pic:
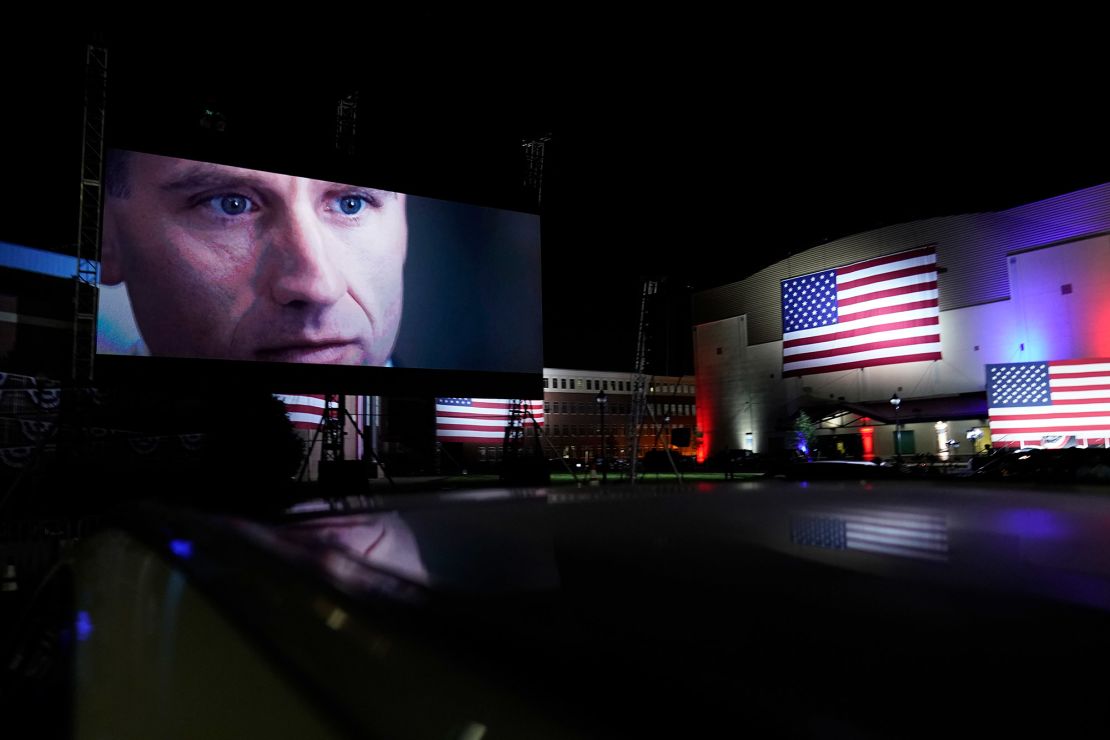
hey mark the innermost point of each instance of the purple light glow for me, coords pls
(84, 626)
(1033, 523)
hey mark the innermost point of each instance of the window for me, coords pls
(547, 407)
(545, 382)
(589, 385)
(605, 385)
(564, 381)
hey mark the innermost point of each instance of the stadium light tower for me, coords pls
(602, 399)
(896, 402)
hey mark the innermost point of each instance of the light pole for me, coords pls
(601, 401)
(895, 401)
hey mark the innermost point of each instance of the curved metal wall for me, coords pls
(971, 256)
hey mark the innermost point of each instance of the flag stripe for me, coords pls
(1070, 408)
(470, 436)
(860, 339)
(1061, 380)
(875, 283)
(1085, 365)
(873, 323)
(836, 350)
(442, 411)
(1051, 427)
(864, 331)
(923, 299)
(890, 259)
(1054, 411)
(475, 428)
(918, 286)
(853, 364)
(479, 423)
(1079, 395)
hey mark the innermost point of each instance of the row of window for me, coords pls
(595, 384)
(584, 430)
(574, 407)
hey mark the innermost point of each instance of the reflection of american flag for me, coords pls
(878, 312)
(1043, 403)
(900, 533)
(303, 411)
(480, 420)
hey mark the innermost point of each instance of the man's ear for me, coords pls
(111, 271)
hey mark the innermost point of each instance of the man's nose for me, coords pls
(304, 268)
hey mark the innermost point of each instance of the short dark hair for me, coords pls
(117, 165)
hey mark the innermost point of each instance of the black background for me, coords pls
(694, 149)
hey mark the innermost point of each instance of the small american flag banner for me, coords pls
(479, 420)
(303, 411)
(877, 312)
(1049, 404)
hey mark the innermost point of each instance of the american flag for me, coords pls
(1043, 403)
(877, 312)
(904, 534)
(303, 411)
(479, 420)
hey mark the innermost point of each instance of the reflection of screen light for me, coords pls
(903, 534)
(182, 548)
(84, 626)
(1036, 523)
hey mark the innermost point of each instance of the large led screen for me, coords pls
(216, 262)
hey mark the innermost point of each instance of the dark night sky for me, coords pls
(697, 152)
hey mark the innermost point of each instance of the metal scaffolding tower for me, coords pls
(346, 123)
(86, 296)
(639, 378)
(512, 447)
(519, 464)
(331, 446)
(534, 151)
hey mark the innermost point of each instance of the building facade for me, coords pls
(1023, 289)
(573, 417)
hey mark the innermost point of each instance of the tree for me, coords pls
(805, 431)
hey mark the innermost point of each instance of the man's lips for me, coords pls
(336, 352)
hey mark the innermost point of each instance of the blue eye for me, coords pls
(351, 204)
(232, 205)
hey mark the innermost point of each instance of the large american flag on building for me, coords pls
(1034, 404)
(479, 420)
(880, 311)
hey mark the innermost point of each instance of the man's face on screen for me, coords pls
(229, 263)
